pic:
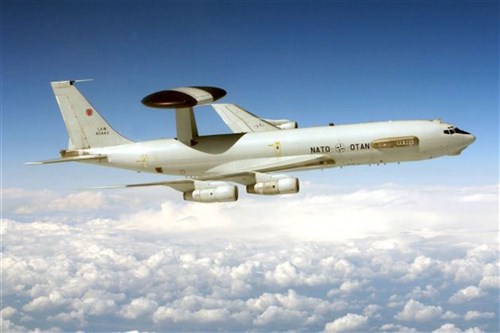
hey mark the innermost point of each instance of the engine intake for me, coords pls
(283, 124)
(287, 185)
(225, 193)
(289, 125)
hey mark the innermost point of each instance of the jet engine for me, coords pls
(283, 124)
(286, 185)
(224, 193)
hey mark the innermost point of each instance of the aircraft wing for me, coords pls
(80, 158)
(253, 170)
(243, 171)
(242, 121)
(181, 185)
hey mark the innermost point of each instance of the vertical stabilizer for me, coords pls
(86, 128)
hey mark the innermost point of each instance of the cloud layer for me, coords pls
(384, 259)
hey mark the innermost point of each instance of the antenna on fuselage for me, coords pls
(183, 100)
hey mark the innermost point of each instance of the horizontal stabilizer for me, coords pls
(82, 158)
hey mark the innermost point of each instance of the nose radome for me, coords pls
(470, 139)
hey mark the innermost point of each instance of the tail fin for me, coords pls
(86, 128)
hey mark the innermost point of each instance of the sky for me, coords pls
(410, 247)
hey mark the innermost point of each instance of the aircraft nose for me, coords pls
(469, 139)
(461, 142)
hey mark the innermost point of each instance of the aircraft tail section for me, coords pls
(86, 127)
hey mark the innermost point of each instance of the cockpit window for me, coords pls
(452, 130)
(458, 130)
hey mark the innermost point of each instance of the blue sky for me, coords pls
(410, 247)
(315, 63)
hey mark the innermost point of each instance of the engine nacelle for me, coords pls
(287, 185)
(289, 125)
(283, 124)
(225, 193)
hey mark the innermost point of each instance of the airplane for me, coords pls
(254, 155)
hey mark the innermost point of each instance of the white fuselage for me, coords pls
(343, 144)
(252, 156)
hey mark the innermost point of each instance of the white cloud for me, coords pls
(386, 209)
(211, 315)
(490, 282)
(138, 307)
(451, 315)
(7, 312)
(421, 265)
(350, 286)
(349, 323)
(97, 302)
(464, 270)
(479, 197)
(93, 271)
(397, 328)
(451, 328)
(279, 317)
(294, 263)
(54, 299)
(204, 316)
(467, 294)
(73, 202)
(416, 311)
(75, 317)
(482, 252)
(164, 313)
(372, 311)
(281, 311)
(7, 326)
(284, 274)
(428, 292)
(475, 315)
